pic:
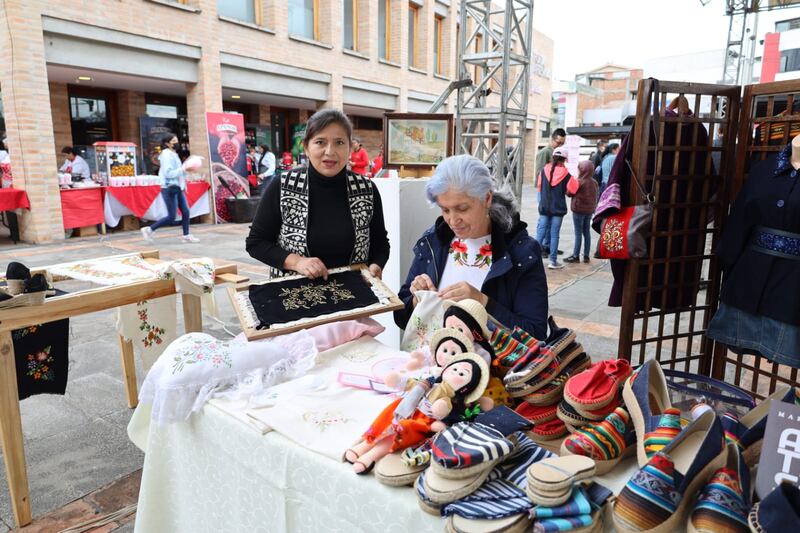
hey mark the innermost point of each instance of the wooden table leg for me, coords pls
(128, 371)
(192, 313)
(11, 433)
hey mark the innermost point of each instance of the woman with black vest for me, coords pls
(323, 216)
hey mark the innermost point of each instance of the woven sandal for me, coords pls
(598, 386)
(393, 471)
(556, 474)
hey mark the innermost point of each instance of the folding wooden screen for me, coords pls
(684, 159)
(770, 117)
(694, 167)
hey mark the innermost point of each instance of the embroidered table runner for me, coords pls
(284, 301)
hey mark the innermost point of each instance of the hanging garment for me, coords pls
(42, 358)
(759, 253)
(285, 301)
(151, 325)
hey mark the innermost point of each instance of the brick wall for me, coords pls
(59, 110)
(130, 106)
(371, 139)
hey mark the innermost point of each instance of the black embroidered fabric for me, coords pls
(285, 301)
(41, 353)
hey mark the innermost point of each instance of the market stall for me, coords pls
(146, 202)
(12, 200)
(119, 287)
(82, 207)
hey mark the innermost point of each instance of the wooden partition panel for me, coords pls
(683, 156)
(770, 118)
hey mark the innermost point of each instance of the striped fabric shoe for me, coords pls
(723, 504)
(606, 442)
(658, 498)
(467, 448)
(668, 428)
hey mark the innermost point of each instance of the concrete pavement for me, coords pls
(77, 443)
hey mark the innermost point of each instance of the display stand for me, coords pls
(670, 296)
(71, 305)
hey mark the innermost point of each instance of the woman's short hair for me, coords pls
(469, 175)
(265, 147)
(324, 118)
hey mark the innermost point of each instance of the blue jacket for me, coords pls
(516, 284)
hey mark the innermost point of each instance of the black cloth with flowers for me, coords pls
(42, 358)
(284, 301)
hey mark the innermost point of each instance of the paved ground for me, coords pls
(80, 461)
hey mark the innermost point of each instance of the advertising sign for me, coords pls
(227, 156)
(780, 453)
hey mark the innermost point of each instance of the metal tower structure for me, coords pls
(742, 34)
(494, 51)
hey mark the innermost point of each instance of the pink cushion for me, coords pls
(331, 335)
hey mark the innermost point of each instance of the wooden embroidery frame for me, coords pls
(66, 306)
(253, 334)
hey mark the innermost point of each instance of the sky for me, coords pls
(589, 34)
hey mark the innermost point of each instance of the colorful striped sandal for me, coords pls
(607, 442)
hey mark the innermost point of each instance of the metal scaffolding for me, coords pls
(494, 50)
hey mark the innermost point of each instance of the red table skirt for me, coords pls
(138, 199)
(11, 199)
(82, 207)
(196, 189)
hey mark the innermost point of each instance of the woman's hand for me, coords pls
(376, 271)
(422, 282)
(461, 291)
(310, 267)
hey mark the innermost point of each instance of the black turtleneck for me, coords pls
(330, 234)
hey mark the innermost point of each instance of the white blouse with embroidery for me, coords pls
(467, 260)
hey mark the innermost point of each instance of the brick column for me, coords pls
(335, 93)
(531, 148)
(425, 37)
(131, 106)
(29, 124)
(368, 28)
(399, 32)
(62, 125)
(331, 23)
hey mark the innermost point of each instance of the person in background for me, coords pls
(173, 186)
(359, 159)
(544, 156)
(5, 159)
(287, 161)
(377, 163)
(608, 164)
(75, 164)
(555, 182)
(477, 249)
(597, 156)
(265, 166)
(583, 204)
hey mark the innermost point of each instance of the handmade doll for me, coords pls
(445, 344)
(452, 397)
(471, 318)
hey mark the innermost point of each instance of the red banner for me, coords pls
(227, 154)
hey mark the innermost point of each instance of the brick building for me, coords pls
(78, 72)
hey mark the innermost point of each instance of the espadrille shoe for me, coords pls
(723, 504)
(392, 470)
(646, 398)
(553, 392)
(598, 386)
(748, 431)
(538, 414)
(668, 428)
(779, 512)
(607, 442)
(659, 496)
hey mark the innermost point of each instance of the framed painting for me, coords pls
(416, 140)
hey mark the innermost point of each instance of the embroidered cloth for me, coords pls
(427, 317)
(467, 260)
(151, 325)
(295, 299)
(197, 366)
(41, 353)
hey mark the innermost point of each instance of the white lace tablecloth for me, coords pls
(213, 474)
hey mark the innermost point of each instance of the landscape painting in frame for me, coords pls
(417, 140)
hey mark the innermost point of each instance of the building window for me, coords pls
(438, 30)
(384, 29)
(303, 20)
(350, 10)
(90, 118)
(244, 10)
(413, 24)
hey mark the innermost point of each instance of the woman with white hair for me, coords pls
(478, 249)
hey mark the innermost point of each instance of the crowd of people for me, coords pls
(555, 184)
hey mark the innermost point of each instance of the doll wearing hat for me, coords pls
(471, 318)
(445, 344)
(452, 398)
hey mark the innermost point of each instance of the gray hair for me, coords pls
(469, 175)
